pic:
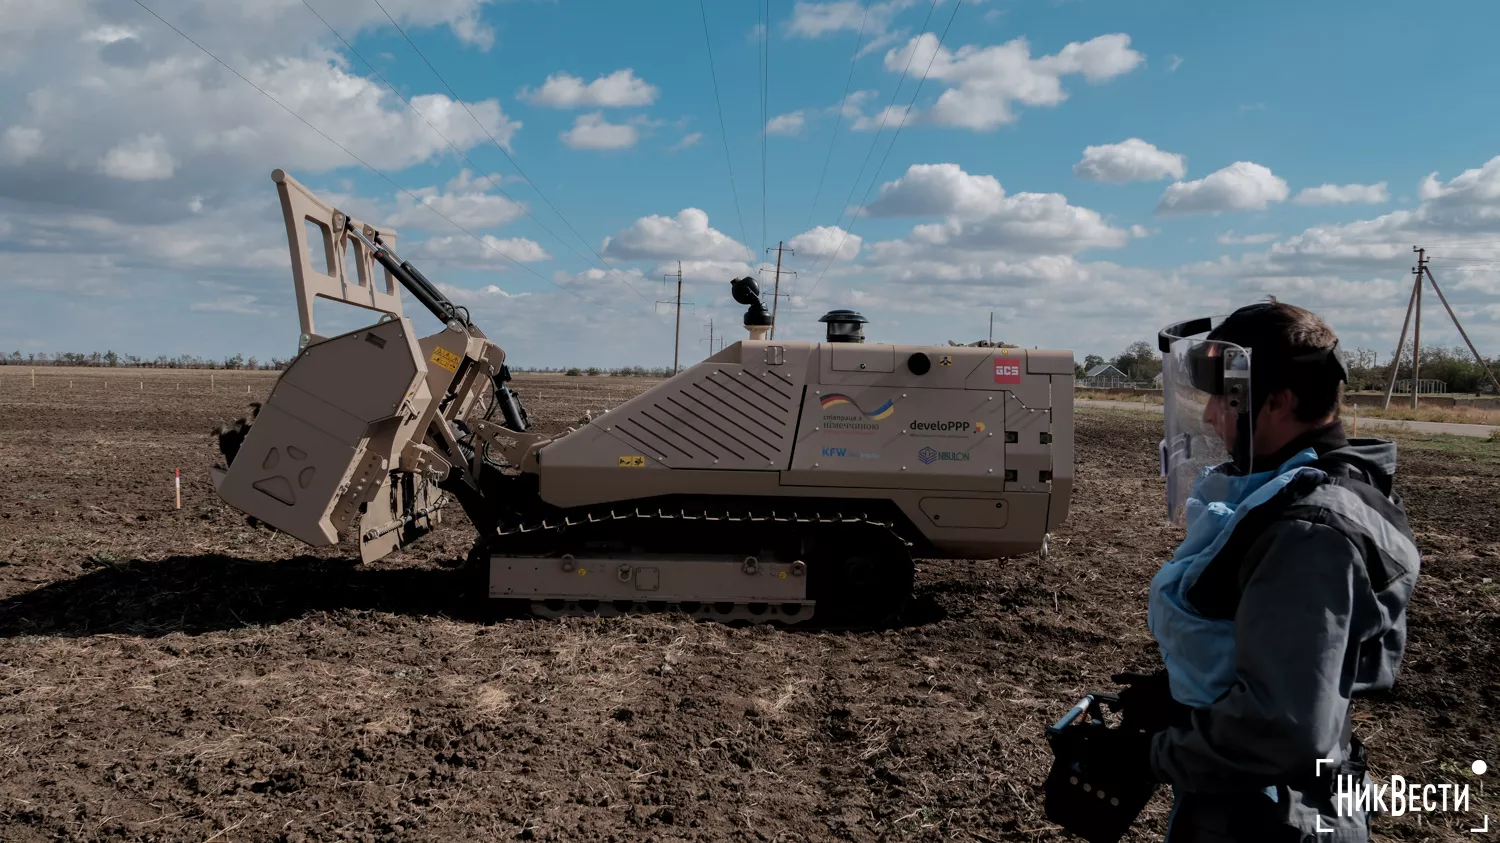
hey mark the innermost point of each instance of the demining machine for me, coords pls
(773, 481)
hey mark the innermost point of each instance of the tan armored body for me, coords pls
(772, 481)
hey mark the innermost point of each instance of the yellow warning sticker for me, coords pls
(633, 461)
(445, 358)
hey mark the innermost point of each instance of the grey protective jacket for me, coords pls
(1317, 582)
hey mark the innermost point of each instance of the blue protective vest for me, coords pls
(1199, 651)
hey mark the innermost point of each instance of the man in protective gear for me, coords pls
(1285, 600)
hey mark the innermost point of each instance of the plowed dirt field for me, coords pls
(179, 675)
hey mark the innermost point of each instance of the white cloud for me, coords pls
(1139, 231)
(811, 20)
(1229, 238)
(94, 84)
(1344, 194)
(687, 141)
(708, 271)
(1176, 62)
(683, 237)
(20, 143)
(1241, 186)
(887, 118)
(488, 252)
(787, 124)
(987, 81)
(814, 20)
(821, 241)
(464, 200)
(1130, 160)
(142, 158)
(937, 189)
(616, 90)
(600, 278)
(592, 131)
(1024, 224)
(109, 34)
(852, 105)
(243, 304)
(472, 295)
(1357, 274)
(982, 225)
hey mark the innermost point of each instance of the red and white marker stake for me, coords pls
(179, 487)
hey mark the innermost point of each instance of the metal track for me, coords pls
(751, 612)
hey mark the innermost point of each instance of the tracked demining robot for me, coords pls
(773, 481)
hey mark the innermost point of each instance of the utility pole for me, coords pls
(1461, 332)
(711, 348)
(1416, 335)
(776, 289)
(677, 338)
(1411, 304)
(1414, 307)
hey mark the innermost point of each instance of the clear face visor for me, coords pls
(1206, 392)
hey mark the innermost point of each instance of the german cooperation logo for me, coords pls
(1352, 796)
(843, 414)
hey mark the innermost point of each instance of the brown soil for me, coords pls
(173, 675)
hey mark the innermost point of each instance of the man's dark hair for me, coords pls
(1290, 348)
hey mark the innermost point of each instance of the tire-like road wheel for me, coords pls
(861, 584)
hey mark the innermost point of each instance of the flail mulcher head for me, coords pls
(772, 481)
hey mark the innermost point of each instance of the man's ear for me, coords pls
(1281, 402)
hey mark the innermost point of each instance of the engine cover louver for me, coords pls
(724, 418)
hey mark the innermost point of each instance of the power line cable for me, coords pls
(503, 150)
(723, 133)
(894, 137)
(884, 115)
(456, 149)
(858, 42)
(362, 161)
(765, 115)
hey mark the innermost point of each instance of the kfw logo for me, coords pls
(834, 452)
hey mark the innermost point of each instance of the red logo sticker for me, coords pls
(1007, 371)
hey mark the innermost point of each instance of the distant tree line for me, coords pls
(1140, 362)
(109, 359)
(595, 371)
(1454, 366)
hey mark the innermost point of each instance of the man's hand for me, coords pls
(1146, 701)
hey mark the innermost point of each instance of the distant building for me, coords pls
(1105, 375)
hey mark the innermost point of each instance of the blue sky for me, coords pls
(1121, 166)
